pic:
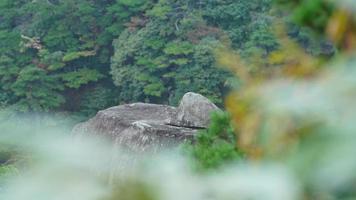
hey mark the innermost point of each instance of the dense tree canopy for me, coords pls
(85, 55)
(54, 48)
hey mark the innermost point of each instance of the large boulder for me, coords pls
(194, 111)
(143, 127)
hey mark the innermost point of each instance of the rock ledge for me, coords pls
(145, 127)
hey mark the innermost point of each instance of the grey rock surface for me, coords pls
(194, 111)
(143, 127)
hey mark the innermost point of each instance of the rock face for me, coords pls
(193, 111)
(142, 127)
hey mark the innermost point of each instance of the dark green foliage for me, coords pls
(37, 91)
(314, 14)
(236, 17)
(98, 97)
(216, 146)
(171, 51)
(261, 40)
(170, 54)
(312, 43)
(78, 78)
(48, 49)
(162, 69)
(152, 51)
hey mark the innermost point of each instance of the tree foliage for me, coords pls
(49, 48)
(55, 54)
(172, 51)
(215, 146)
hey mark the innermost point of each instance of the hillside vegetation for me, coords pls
(282, 72)
(80, 56)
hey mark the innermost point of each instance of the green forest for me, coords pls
(281, 72)
(80, 56)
